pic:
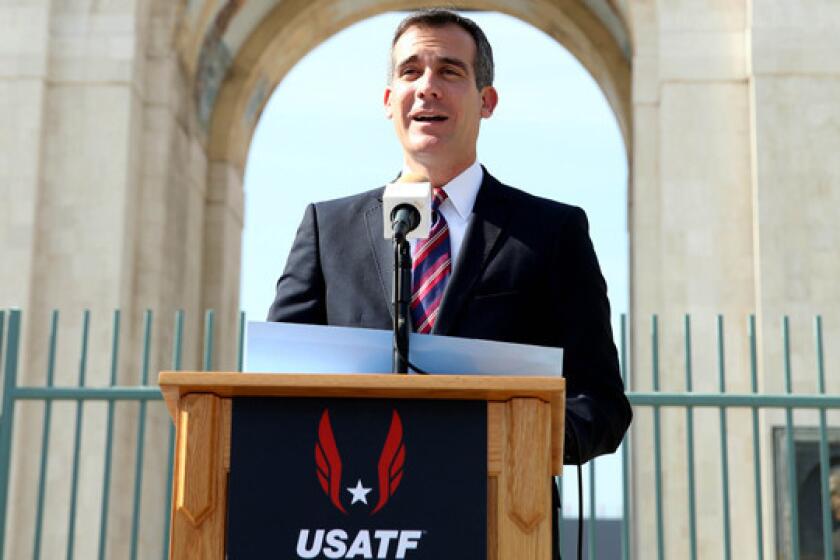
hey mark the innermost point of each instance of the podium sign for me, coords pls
(363, 466)
(357, 478)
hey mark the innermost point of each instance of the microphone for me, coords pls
(407, 207)
(404, 219)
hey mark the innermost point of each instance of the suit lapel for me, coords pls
(483, 236)
(382, 252)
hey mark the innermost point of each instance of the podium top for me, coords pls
(551, 390)
(468, 387)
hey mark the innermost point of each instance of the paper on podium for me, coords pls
(295, 348)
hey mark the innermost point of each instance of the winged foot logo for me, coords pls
(338, 543)
(389, 468)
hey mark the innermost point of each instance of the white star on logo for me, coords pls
(359, 493)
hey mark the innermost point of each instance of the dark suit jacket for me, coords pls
(526, 273)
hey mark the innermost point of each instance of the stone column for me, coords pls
(691, 239)
(222, 254)
(795, 93)
(104, 185)
(795, 96)
(24, 56)
(73, 73)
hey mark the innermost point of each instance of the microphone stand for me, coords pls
(404, 218)
(402, 299)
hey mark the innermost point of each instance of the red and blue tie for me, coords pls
(432, 266)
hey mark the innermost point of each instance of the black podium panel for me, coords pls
(357, 478)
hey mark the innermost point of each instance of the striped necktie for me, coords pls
(432, 266)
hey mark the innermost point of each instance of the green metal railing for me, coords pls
(754, 401)
(654, 400)
(10, 325)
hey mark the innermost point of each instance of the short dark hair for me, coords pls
(437, 17)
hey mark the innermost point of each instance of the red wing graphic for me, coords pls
(391, 462)
(328, 461)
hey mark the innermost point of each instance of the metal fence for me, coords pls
(654, 401)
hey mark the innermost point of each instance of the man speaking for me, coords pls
(500, 264)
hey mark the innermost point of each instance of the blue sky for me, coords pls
(324, 135)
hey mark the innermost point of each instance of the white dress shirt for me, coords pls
(458, 206)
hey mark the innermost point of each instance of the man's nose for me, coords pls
(428, 85)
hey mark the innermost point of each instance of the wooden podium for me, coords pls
(524, 447)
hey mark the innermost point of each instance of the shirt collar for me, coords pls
(463, 189)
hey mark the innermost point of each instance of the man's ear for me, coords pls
(489, 100)
(386, 101)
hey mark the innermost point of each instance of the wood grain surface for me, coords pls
(199, 505)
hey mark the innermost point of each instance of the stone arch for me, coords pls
(234, 55)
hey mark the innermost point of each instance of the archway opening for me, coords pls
(323, 135)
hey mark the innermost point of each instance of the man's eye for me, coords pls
(408, 72)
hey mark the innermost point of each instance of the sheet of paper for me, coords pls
(294, 348)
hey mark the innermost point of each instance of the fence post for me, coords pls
(209, 324)
(2, 340)
(7, 416)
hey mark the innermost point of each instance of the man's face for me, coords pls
(433, 99)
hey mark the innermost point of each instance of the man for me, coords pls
(505, 266)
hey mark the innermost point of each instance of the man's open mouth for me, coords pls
(429, 118)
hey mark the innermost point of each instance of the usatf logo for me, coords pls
(337, 543)
(389, 468)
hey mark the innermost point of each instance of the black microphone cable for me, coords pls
(416, 369)
(412, 366)
(571, 428)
